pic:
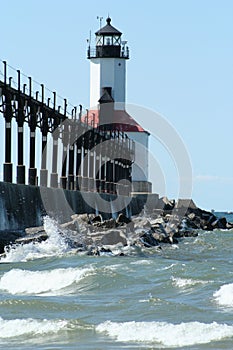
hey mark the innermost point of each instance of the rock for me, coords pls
(93, 251)
(113, 237)
(191, 216)
(122, 219)
(35, 237)
(9, 237)
(111, 223)
(157, 212)
(83, 217)
(148, 240)
(82, 222)
(96, 219)
(170, 239)
(186, 233)
(130, 227)
(32, 230)
(171, 228)
(190, 233)
(157, 222)
(229, 225)
(94, 237)
(141, 222)
(165, 204)
(220, 223)
(105, 250)
(165, 238)
(186, 203)
(209, 218)
(71, 225)
(159, 226)
(188, 223)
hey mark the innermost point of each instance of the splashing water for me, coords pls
(224, 296)
(55, 245)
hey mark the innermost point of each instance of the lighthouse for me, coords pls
(108, 88)
(108, 66)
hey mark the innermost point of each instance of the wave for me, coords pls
(142, 262)
(224, 296)
(25, 327)
(166, 334)
(55, 245)
(49, 282)
(186, 282)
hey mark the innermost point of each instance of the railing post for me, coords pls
(65, 136)
(79, 146)
(54, 174)
(103, 167)
(44, 131)
(109, 168)
(7, 111)
(91, 182)
(85, 161)
(32, 171)
(98, 161)
(55, 135)
(20, 121)
(71, 157)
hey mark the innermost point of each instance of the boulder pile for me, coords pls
(165, 224)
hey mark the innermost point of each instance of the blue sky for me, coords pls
(180, 66)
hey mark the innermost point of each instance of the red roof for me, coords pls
(122, 121)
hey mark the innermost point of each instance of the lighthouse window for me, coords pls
(108, 40)
(116, 40)
(99, 40)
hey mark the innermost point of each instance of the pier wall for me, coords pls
(24, 206)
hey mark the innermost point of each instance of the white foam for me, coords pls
(29, 326)
(186, 282)
(166, 334)
(167, 267)
(224, 296)
(53, 246)
(141, 262)
(49, 282)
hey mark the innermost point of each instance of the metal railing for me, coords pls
(88, 156)
(94, 52)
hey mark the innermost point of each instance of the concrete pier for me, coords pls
(24, 206)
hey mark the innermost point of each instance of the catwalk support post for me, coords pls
(44, 132)
(55, 136)
(7, 112)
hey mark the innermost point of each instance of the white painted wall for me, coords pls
(140, 168)
(119, 81)
(111, 72)
(94, 82)
(107, 72)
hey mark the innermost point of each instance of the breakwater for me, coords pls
(24, 206)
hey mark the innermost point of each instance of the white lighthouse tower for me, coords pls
(108, 66)
(108, 85)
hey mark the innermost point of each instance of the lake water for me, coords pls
(179, 297)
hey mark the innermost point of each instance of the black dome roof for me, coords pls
(108, 29)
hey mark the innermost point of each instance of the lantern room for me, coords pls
(109, 43)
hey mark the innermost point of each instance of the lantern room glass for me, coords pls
(105, 40)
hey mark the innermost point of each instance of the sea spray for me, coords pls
(224, 296)
(55, 245)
